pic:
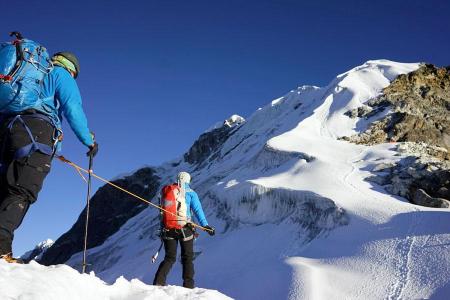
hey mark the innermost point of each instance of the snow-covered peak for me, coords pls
(328, 104)
(390, 68)
(45, 244)
(38, 251)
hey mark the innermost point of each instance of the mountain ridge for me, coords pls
(292, 201)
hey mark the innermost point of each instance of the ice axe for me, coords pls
(88, 197)
(154, 257)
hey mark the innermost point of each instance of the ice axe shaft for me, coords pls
(154, 257)
(86, 227)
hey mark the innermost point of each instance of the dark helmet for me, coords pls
(68, 61)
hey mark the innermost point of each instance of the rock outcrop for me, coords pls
(415, 108)
(422, 198)
(207, 145)
(420, 111)
(422, 102)
(421, 178)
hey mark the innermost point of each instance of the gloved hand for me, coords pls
(93, 149)
(210, 230)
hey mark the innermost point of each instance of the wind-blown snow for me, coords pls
(294, 216)
(37, 282)
(234, 120)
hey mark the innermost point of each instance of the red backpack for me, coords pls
(174, 204)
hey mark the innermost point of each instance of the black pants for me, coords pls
(20, 179)
(171, 239)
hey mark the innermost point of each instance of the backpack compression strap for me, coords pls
(19, 57)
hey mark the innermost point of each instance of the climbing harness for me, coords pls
(33, 146)
(30, 148)
(163, 236)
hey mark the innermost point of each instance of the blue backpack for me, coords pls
(23, 66)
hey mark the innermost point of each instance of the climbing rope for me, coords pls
(80, 170)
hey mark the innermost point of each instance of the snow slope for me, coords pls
(37, 282)
(295, 217)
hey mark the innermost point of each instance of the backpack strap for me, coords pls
(19, 57)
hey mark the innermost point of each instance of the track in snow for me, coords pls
(403, 265)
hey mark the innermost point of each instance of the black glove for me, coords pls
(93, 149)
(210, 230)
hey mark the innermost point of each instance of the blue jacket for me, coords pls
(61, 97)
(193, 202)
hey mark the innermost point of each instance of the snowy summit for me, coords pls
(38, 251)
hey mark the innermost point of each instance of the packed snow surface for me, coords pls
(36, 282)
(294, 216)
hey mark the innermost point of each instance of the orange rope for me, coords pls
(81, 175)
(80, 169)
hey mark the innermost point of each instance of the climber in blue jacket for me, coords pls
(28, 140)
(177, 201)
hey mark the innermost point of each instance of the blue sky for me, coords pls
(156, 74)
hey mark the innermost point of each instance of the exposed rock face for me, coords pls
(110, 209)
(422, 198)
(418, 110)
(422, 178)
(207, 145)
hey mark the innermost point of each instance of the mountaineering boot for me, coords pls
(10, 259)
